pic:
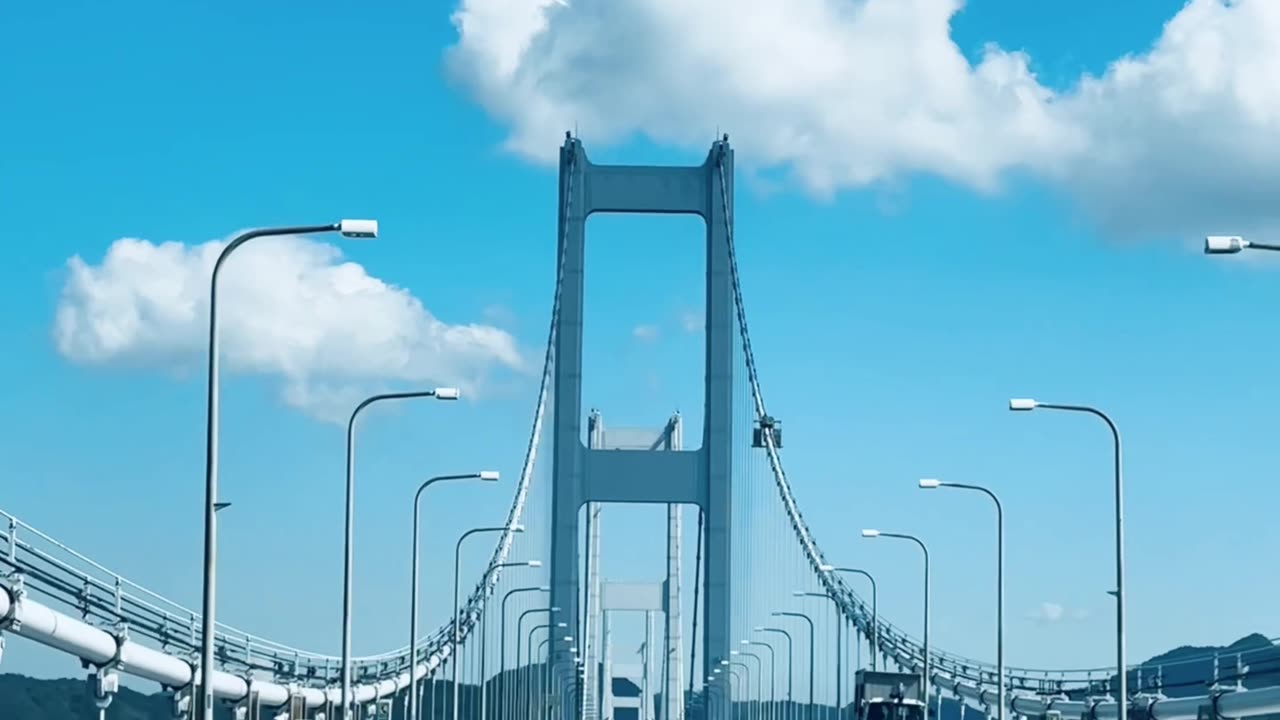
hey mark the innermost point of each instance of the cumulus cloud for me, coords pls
(691, 321)
(288, 307)
(848, 93)
(645, 333)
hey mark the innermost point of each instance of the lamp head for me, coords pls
(358, 228)
(930, 483)
(745, 642)
(1224, 244)
(534, 564)
(1022, 404)
(488, 475)
(870, 533)
(517, 528)
(797, 593)
(562, 624)
(553, 608)
(758, 629)
(447, 393)
(826, 568)
(724, 663)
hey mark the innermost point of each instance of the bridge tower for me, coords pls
(702, 477)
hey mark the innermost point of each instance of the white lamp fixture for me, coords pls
(870, 533)
(1023, 404)
(930, 483)
(534, 563)
(490, 475)
(1224, 244)
(447, 393)
(826, 568)
(358, 228)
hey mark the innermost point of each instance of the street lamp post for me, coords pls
(791, 675)
(457, 564)
(1027, 404)
(534, 677)
(773, 675)
(929, 483)
(486, 475)
(502, 648)
(208, 622)
(544, 686)
(839, 636)
(925, 550)
(806, 618)
(875, 627)
(548, 675)
(347, 550)
(484, 628)
(521, 689)
(744, 689)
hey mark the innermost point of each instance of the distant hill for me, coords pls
(1189, 670)
(24, 698)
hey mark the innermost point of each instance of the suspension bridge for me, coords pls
(747, 651)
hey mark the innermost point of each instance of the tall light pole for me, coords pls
(522, 679)
(925, 550)
(457, 565)
(486, 475)
(773, 674)
(208, 622)
(535, 678)
(1027, 404)
(839, 635)
(548, 674)
(807, 619)
(744, 688)
(502, 647)
(347, 550)
(875, 627)
(484, 627)
(929, 483)
(791, 673)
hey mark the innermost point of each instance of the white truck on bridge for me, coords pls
(880, 695)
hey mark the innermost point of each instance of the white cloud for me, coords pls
(691, 321)
(287, 307)
(1050, 613)
(846, 93)
(645, 333)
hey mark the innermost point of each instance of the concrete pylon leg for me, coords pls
(647, 704)
(673, 692)
(673, 685)
(606, 676)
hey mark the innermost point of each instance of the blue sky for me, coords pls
(893, 311)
